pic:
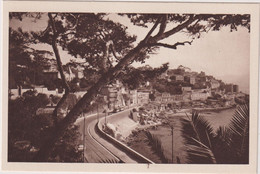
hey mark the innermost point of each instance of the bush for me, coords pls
(25, 126)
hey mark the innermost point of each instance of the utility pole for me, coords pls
(97, 113)
(172, 142)
(105, 117)
(83, 139)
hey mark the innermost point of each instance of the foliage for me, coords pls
(228, 145)
(22, 124)
(65, 149)
(26, 64)
(162, 85)
(136, 77)
(25, 125)
(157, 146)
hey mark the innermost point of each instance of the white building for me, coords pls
(143, 97)
(197, 95)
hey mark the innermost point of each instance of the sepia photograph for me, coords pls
(97, 87)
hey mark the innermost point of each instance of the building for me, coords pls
(201, 79)
(133, 97)
(163, 75)
(166, 97)
(186, 89)
(178, 78)
(214, 84)
(158, 97)
(198, 95)
(190, 79)
(229, 88)
(50, 76)
(143, 96)
(177, 97)
(235, 88)
(111, 94)
(186, 96)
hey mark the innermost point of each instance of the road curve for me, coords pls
(98, 149)
(95, 152)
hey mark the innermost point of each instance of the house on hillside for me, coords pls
(190, 79)
(133, 97)
(186, 89)
(166, 97)
(143, 96)
(177, 78)
(199, 95)
(214, 84)
(177, 97)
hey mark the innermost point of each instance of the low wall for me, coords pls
(128, 150)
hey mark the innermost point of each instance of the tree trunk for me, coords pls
(84, 102)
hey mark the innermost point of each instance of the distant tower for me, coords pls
(235, 88)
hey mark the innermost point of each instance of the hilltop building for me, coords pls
(214, 84)
(190, 79)
(177, 78)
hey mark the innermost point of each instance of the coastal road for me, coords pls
(97, 149)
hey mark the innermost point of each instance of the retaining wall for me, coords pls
(125, 148)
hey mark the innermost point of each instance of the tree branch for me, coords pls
(174, 46)
(152, 30)
(76, 23)
(163, 25)
(47, 28)
(114, 51)
(175, 29)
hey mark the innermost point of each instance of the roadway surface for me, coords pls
(98, 149)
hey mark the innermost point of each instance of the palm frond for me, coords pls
(239, 129)
(222, 146)
(157, 147)
(231, 143)
(198, 135)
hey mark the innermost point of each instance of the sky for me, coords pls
(223, 54)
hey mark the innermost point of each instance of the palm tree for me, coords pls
(228, 145)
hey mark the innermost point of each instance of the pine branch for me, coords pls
(174, 46)
(175, 29)
(152, 30)
(163, 25)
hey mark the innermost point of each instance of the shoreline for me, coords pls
(163, 133)
(213, 109)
